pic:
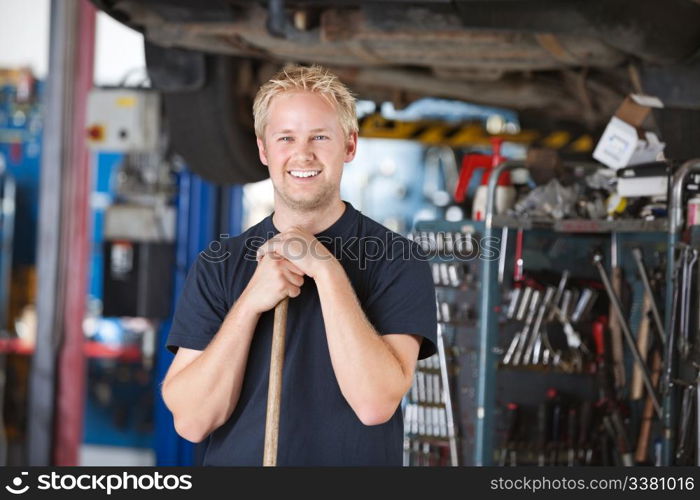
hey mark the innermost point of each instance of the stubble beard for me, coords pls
(321, 199)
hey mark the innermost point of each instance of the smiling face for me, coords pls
(304, 148)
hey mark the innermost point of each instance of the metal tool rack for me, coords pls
(479, 440)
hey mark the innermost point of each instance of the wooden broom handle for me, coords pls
(274, 390)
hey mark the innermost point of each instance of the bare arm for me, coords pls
(202, 388)
(373, 372)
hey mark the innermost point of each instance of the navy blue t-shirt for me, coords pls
(317, 426)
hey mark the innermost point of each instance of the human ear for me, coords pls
(350, 147)
(261, 151)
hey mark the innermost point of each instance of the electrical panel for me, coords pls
(123, 120)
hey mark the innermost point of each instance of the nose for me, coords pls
(304, 151)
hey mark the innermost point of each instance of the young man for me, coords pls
(361, 309)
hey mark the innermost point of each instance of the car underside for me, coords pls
(551, 61)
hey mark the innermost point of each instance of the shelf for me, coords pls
(561, 226)
(98, 350)
(16, 346)
(91, 349)
(542, 370)
(583, 225)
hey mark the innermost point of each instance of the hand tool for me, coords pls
(622, 441)
(502, 255)
(421, 420)
(555, 415)
(611, 436)
(670, 351)
(537, 348)
(274, 390)
(440, 242)
(465, 245)
(444, 275)
(428, 420)
(542, 411)
(437, 393)
(425, 242)
(443, 423)
(558, 296)
(690, 257)
(697, 418)
(513, 304)
(614, 326)
(639, 259)
(543, 339)
(449, 243)
(510, 352)
(571, 436)
(420, 381)
(668, 384)
(445, 312)
(414, 391)
(584, 304)
(534, 303)
(415, 417)
(518, 273)
(435, 268)
(509, 437)
(453, 275)
(548, 295)
(416, 454)
(636, 387)
(684, 448)
(604, 444)
(641, 453)
(406, 451)
(408, 419)
(527, 293)
(565, 306)
(585, 451)
(617, 309)
(658, 453)
(428, 384)
(447, 397)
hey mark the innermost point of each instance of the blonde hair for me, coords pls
(317, 79)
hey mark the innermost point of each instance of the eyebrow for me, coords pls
(290, 131)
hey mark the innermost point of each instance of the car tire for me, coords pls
(679, 129)
(204, 127)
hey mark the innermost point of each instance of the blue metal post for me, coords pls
(488, 332)
(197, 227)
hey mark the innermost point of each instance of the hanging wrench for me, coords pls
(639, 259)
(526, 330)
(549, 293)
(690, 257)
(617, 308)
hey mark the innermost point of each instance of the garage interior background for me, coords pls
(567, 280)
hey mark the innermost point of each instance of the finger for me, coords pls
(269, 248)
(293, 278)
(294, 291)
(293, 268)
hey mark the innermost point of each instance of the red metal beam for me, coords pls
(70, 395)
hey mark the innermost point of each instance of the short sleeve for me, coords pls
(200, 309)
(402, 300)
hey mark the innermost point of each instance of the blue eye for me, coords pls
(320, 137)
(285, 139)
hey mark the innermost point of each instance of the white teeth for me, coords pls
(304, 173)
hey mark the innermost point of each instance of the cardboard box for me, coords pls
(624, 141)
